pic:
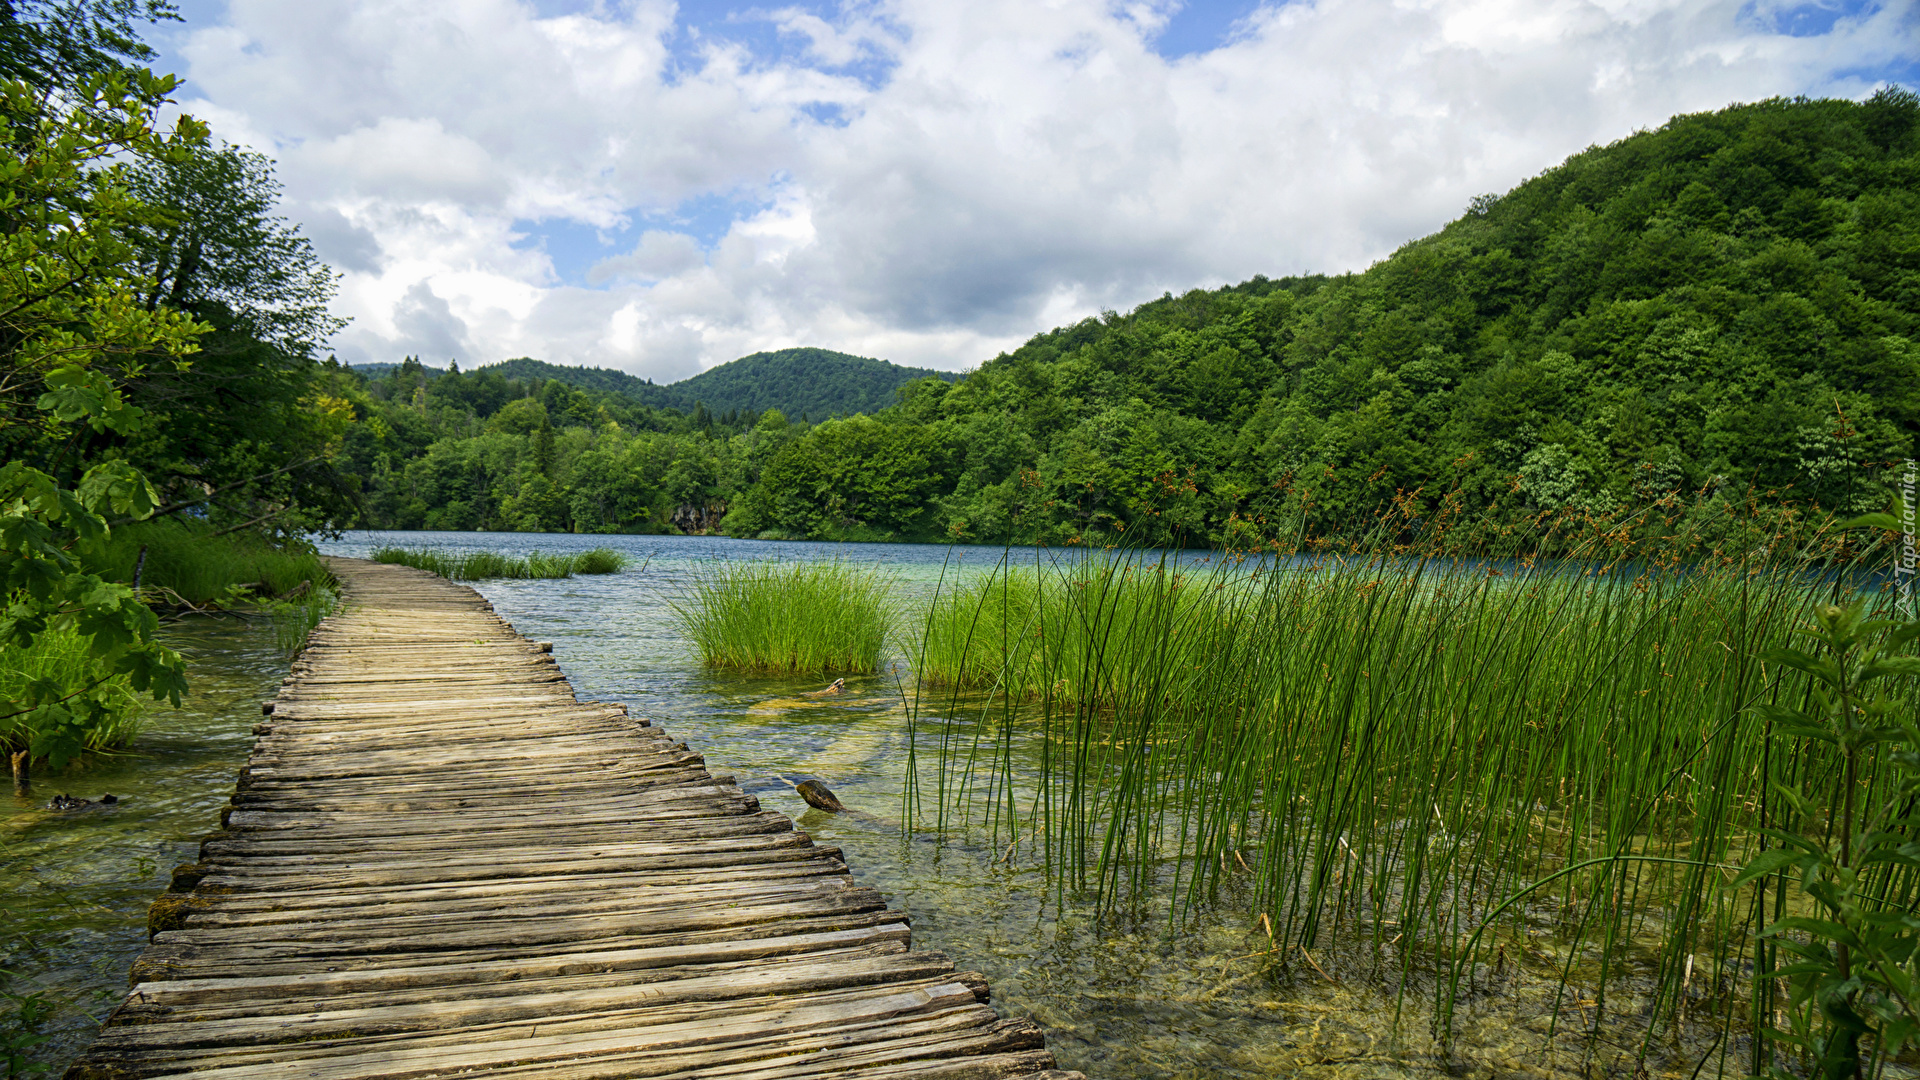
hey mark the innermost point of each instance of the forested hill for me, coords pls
(803, 382)
(1723, 306)
(815, 383)
(1727, 302)
(527, 369)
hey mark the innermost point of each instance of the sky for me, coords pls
(660, 187)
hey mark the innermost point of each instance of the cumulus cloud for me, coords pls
(340, 243)
(426, 325)
(658, 255)
(927, 181)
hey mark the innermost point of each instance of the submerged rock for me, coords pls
(818, 796)
(68, 802)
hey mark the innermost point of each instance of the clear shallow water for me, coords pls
(1120, 999)
(76, 885)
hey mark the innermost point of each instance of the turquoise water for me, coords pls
(1140, 996)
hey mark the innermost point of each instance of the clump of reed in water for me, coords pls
(1397, 752)
(295, 617)
(1065, 629)
(798, 618)
(599, 561)
(480, 565)
(977, 631)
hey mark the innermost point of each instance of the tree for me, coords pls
(246, 417)
(72, 329)
(56, 45)
(221, 252)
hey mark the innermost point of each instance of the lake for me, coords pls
(1134, 996)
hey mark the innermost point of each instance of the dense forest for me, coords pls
(157, 374)
(800, 382)
(1723, 309)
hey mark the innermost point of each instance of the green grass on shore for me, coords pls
(186, 563)
(183, 565)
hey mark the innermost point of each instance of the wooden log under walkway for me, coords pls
(439, 861)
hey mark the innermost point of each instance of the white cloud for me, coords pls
(659, 254)
(409, 161)
(925, 181)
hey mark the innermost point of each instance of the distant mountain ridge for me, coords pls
(607, 380)
(816, 383)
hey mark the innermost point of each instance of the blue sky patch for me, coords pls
(1905, 72)
(1202, 26)
(574, 248)
(701, 23)
(1804, 20)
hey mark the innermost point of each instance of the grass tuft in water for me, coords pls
(480, 565)
(599, 561)
(295, 618)
(808, 618)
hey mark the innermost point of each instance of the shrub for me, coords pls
(60, 656)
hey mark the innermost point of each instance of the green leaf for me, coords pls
(1893, 665)
(1768, 862)
(1871, 521)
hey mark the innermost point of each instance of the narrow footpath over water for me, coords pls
(439, 861)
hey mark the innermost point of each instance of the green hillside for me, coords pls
(528, 370)
(1718, 314)
(1726, 305)
(817, 383)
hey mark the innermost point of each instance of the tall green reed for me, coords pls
(1419, 759)
(802, 618)
(482, 565)
(294, 618)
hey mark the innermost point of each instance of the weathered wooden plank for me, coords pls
(690, 814)
(439, 860)
(685, 890)
(681, 1028)
(581, 1008)
(282, 992)
(256, 817)
(163, 962)
(732, 1050)
(577, 834)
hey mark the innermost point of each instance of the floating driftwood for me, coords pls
(439, 861)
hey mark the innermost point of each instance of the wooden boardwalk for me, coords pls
(439, 861)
